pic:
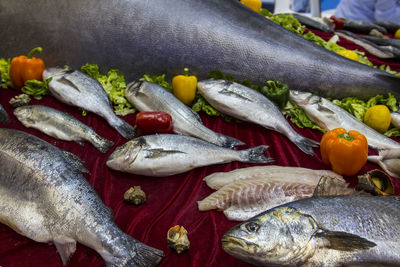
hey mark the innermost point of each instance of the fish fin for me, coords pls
(64, 80)
(124, 128)
(196, 115)
(227, 92)
(102, 144)
(66, 247)
(305, 144)
(343, 241)
(75, 161)
(159, 152)
(231, 142)
(325, 110)
(330, 186)
(255, 155)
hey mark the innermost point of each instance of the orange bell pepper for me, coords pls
(24, 68)
(346, 153)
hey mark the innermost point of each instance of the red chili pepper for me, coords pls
(339, 23)
(149, 122)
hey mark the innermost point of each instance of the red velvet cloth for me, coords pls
(170, 200)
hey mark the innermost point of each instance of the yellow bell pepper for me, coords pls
(252, 4)
(184, 87)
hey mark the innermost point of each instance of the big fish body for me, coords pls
(169, 154)
(323, 231)
(330, 116)
(78, 89)
(165, 36)
(146, 96)
(60, 125)
(247, 104)
(44, 196)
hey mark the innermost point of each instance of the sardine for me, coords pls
(165, 36)
(217, 180)
(44, 196)
(247, 104)
(146, 96)
(78, 89)
(388, 160)
(330, 116)
(169, 154)
(321, 231)
(3, 115)
(60, 125)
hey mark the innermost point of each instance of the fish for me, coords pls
(382, 41)
(330, 116)
(45, 197)
(162, 155)
(217, 180)
(362, 26)
(244, 199)
(390, 26)
(165, 36)
(395, 118)
(60, 125)
(147, 96)
(312, 23)
(388, 160)
(320, 231)
(3, 115)
(75, 88)
(246, 104)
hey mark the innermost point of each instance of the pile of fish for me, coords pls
(44, 196)
(246, 192)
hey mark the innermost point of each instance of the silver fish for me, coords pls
(247, 104)
(3, 115)
(147, 96)
(60, 125)
(78, 89)
(395, 118)
(169, 154)
(164, 36)
(321, 231)
(330, 116)
(388, 160)
(44, 196)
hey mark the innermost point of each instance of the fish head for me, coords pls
(125, 155)
(52, 72)
(134, 88)
(278, 236)
(25, 115)
(212, 84)
(301, 98)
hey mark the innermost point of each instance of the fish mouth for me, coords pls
(230, 241)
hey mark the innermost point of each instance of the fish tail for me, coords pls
(125, 129)
(255, 155)
(143, 256)
(231, 142)
(306, 145)
(102, 144)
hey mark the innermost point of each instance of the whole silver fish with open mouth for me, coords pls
(246, 104)
(44, 196)
(147, 96)
(320, 231)
(330, 116)
(165, 36)
(169, 154)
(78, 89)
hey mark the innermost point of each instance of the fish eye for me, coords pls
(252, 227)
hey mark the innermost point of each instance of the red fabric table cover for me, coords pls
(170, 200)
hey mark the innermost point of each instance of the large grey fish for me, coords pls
(44, 196)
(247, 104)
(78, 89)
(147, 96)
(60, 125)
(169, 154)
(322, 231)
(165, 36)
(3, 115)
(330, 116)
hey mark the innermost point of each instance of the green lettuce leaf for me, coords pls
(37, 89)
(4, 70)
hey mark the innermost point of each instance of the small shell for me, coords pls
(135, 195)
(376, 182)
(177, 238)
(20, 100)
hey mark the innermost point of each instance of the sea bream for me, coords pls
(169, 154)
(45, 197)
(330, 116)
(246, 104)
(60, 125)
(147, 96)
(78, 89)
(320, 231)
(165, 36)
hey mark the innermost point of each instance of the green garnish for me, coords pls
(5, 70)
(37, 89)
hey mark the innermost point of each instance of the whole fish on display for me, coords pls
(45, 197)
(246, 104)
(320, 231)
(147, 96)
(60, 125)
(165, 36)
(78, 89)
(3, 115)
(330, 116)
(382, 41)
(391, 27)
(311, 22)
(169, 154)
(364, 27)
